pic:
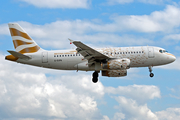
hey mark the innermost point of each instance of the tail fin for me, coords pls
(23, 43)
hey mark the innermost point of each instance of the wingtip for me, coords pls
(71, 41)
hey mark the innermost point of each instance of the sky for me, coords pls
(32, 93)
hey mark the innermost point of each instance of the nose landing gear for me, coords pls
(95, 77)
(150, 70)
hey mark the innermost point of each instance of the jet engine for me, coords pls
(116, 64)
(114, 73)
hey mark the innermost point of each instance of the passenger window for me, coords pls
(59, 55)
(54, 55)
(139, 51)
(142, 51)
(129, 52)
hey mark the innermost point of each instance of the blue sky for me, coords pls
(32, 93)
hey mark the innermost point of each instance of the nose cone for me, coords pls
(172, 58)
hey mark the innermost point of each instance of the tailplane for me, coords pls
(23, 43)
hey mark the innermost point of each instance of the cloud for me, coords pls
(151, 1)
(172, 37)
(4, 29)
(59, 3)
(114, 2)
(169, 114)
(55, 34)
(28, 93)
(133, 111)
(140, 93)
(158, 21)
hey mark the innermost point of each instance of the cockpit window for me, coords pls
(162, 51)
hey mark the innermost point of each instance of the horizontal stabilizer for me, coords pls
(19, 55)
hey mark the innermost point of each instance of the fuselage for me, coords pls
(71, 60)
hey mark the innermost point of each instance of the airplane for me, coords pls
(112, 62)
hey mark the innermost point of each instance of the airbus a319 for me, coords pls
(112, 62)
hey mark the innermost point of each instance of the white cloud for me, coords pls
(156, 21)
(28, 93)
(151, 1)
(172, 37)
(113, 2)
(55, 34)
(4, 29)
(59, 3)
(140, 93)
(133, 111)
(169, 114)
(119, 116)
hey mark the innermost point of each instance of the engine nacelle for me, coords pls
(114, 73)
(117, 64)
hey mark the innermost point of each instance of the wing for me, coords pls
(89, 53)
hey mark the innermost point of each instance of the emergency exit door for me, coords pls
(44, 57)
(150, 52)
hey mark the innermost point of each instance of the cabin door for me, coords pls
(44, 57)
(150, 52)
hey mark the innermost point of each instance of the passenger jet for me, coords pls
(112, 62)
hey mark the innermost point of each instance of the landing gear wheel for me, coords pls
(95, 77)
(151, 75)
(150, 70)
(95, 80)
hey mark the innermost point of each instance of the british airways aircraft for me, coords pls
(112, 62)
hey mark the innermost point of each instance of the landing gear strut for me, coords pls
(150, 70)
(95, 77)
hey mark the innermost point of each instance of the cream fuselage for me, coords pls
(69, 59)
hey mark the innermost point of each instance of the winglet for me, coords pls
(71, 41)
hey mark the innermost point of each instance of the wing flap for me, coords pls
(88, 52)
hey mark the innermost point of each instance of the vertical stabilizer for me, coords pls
(23, 43)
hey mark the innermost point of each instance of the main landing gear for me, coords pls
(95, 77)
(150, 70)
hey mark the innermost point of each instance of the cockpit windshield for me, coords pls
(162, 51)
